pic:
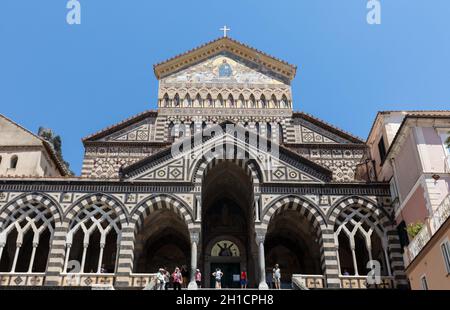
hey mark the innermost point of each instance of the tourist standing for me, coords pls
(198, 278)
(276, 275)
(177, 279)
(244, 280)
(160, 282)
(166, 279)
(218, 274)
(185, 274)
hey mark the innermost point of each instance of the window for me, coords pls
(445, 248)
(0, 160)
(14, 160)
(381, 149)
(423, 282)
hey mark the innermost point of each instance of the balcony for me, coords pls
(431, 226)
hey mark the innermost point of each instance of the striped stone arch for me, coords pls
(312, 213)
(138, 216)
(24, 200)
(249, 166)
(159, 202)
(300, 204)
(363, 202)
(381, 218)
(91, 199)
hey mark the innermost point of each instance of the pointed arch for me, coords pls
(165, 101)
(230, 101)
(27, 224)
(158, 202)
(176, 100)
(198, 101)
(251, 102)
(94, 224)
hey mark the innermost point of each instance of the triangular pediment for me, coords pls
(310, 130)
(234, 49)
(224, 68)
(139, 128)
(282, 166)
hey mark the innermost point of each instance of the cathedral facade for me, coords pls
(224, 174)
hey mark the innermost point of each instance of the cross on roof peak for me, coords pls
(225, 29)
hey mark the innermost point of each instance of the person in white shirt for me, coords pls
(218, 274)
(276, 275)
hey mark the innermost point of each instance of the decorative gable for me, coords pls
(140, 128)
(144, 132)
(224, 68)
(285, 168)
(307, 129)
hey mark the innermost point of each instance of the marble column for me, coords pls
(262, 262)
(194, 241)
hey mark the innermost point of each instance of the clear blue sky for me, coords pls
(80, 79)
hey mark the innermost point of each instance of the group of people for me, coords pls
(179, 278)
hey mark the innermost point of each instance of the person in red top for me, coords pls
(177, 279)
(244, 281)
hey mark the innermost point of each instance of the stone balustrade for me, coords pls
(88, 279)
(306, 281)
(360, 282)
(21, 279)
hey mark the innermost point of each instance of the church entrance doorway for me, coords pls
(231, 272)
(228, 225)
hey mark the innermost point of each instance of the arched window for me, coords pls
(219, 101)
(26, 234)
(0, 160)
(283, 102)
(262, 102)
(198, 101)
(209, 102)
(187, 101)
(93, 239)
(241, 102)
(176, 100)
(165, 101)
(230, 101)
(360, 238)
(251, 102)
(192, 128)
(14, 160)
(273, 102)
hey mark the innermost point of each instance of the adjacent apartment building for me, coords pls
(409, 151)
